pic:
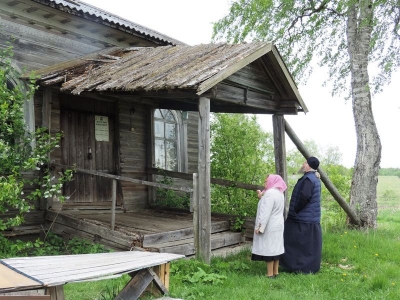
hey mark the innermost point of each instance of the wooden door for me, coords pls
(88, 144)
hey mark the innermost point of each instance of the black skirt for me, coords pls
(303, 247)
(265, 258)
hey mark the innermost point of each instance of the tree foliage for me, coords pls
(22, 152)
(389, 172)
(242, 152)
(315, 31)
(346, 36)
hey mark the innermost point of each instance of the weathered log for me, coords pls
(324, 177)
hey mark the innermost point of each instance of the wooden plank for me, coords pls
(151, 191)
(166, 274)
(186, 247)
(158, 282)
(278, 122)
(149, 240)
(207, 84)
(68, 232)
(23, 230)
(123, 178)
(136, 286)
(275, 54)
(11, 280)
(219, 181)
(91, 228)
(57, 270)
(56, 292)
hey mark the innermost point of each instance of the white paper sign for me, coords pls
(101, 129)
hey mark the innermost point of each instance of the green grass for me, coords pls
(355, 265)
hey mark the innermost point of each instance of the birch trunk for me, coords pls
(368, 156)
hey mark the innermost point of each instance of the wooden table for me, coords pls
(52, 272)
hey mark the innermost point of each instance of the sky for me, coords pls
(329, 121)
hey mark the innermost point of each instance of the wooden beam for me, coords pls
(151, 191)
(57, 292)
(275, 54)
(206, 85)
(218, 181)
(128, 179)
(136, 286)
(158, 282)
(278, 122)
(203, 252)
(324, 177)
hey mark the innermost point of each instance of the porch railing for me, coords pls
(156, 171)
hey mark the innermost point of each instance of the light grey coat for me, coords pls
(269, 221)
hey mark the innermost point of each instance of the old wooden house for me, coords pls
(131, 102)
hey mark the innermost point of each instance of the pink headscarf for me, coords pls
(275, 181)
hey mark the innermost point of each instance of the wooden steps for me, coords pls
(127, 236)
(186, 246)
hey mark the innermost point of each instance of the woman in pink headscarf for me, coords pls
(268, 231)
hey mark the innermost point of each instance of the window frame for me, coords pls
(181, 145)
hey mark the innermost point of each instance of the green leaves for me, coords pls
(22, 153)
(242, 152)
(316, 31)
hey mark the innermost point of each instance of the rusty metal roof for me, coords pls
(80, 8)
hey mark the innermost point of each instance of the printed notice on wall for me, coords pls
(101, 129)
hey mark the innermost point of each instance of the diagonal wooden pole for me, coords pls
(324, 177)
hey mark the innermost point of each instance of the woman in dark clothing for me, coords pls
(302, 234)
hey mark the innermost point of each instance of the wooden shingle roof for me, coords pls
(193, 69)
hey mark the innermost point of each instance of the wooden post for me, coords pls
(151, 191)
(195, 208)
(324, 177)
(162, 271)
(56, 292)
(194, 199)
(203, 250)
(114, 203)
(278, 122)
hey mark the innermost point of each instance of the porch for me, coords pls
(155, 230)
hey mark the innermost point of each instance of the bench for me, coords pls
(52, 272)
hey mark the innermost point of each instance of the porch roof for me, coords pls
(242, 78)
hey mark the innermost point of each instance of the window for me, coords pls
(166, 140)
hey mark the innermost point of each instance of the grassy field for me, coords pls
(355, 265)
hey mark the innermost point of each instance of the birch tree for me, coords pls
(349, 37)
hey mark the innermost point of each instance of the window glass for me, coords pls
(157, 114)
(165, 140)
(171, 156)
(170, 131)
(169, 116)
(159, 129)
(159, 154)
